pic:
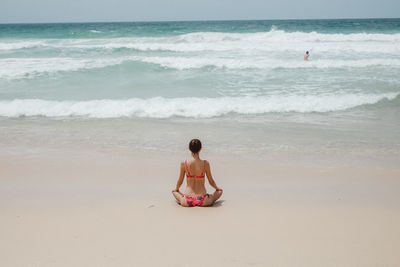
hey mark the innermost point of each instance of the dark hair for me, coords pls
(195, 145)
(307, 52)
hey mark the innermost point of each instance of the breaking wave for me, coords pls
(159, 107)
(274, 40)
(16, 68)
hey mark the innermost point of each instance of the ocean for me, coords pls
(240, 86)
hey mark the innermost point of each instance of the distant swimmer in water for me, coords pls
(306, 55)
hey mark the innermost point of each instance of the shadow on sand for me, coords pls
(217, 203)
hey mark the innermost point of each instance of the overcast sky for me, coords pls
(14, 11)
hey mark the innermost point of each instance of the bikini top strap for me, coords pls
(186, 167)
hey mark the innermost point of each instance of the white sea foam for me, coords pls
(264, 63)
(205, 107)
(262, 50)
(17, 44)
(16, 68)
(274, 40)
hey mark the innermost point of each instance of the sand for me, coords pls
(90, 208)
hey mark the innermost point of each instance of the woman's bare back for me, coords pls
(195, 177)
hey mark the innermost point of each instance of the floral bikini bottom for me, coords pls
(194, 200)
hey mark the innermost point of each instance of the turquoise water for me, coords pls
(249, 75)
(124, 29)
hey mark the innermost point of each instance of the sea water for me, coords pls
(240, 86)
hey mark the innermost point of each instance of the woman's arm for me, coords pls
(209, 176)
(181, 177)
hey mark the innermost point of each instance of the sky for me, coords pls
(36, 11)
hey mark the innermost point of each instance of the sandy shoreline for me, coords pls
(71, 209)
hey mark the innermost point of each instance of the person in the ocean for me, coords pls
(195, 170)
(307, 54)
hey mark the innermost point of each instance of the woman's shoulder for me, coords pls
(186, 162)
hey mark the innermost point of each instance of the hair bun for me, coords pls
(195, 145)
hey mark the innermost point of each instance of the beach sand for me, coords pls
(112, 208)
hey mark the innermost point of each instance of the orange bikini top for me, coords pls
(195, 176)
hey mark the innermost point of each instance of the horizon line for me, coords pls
(200, 20)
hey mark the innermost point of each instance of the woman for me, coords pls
(195, 169)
